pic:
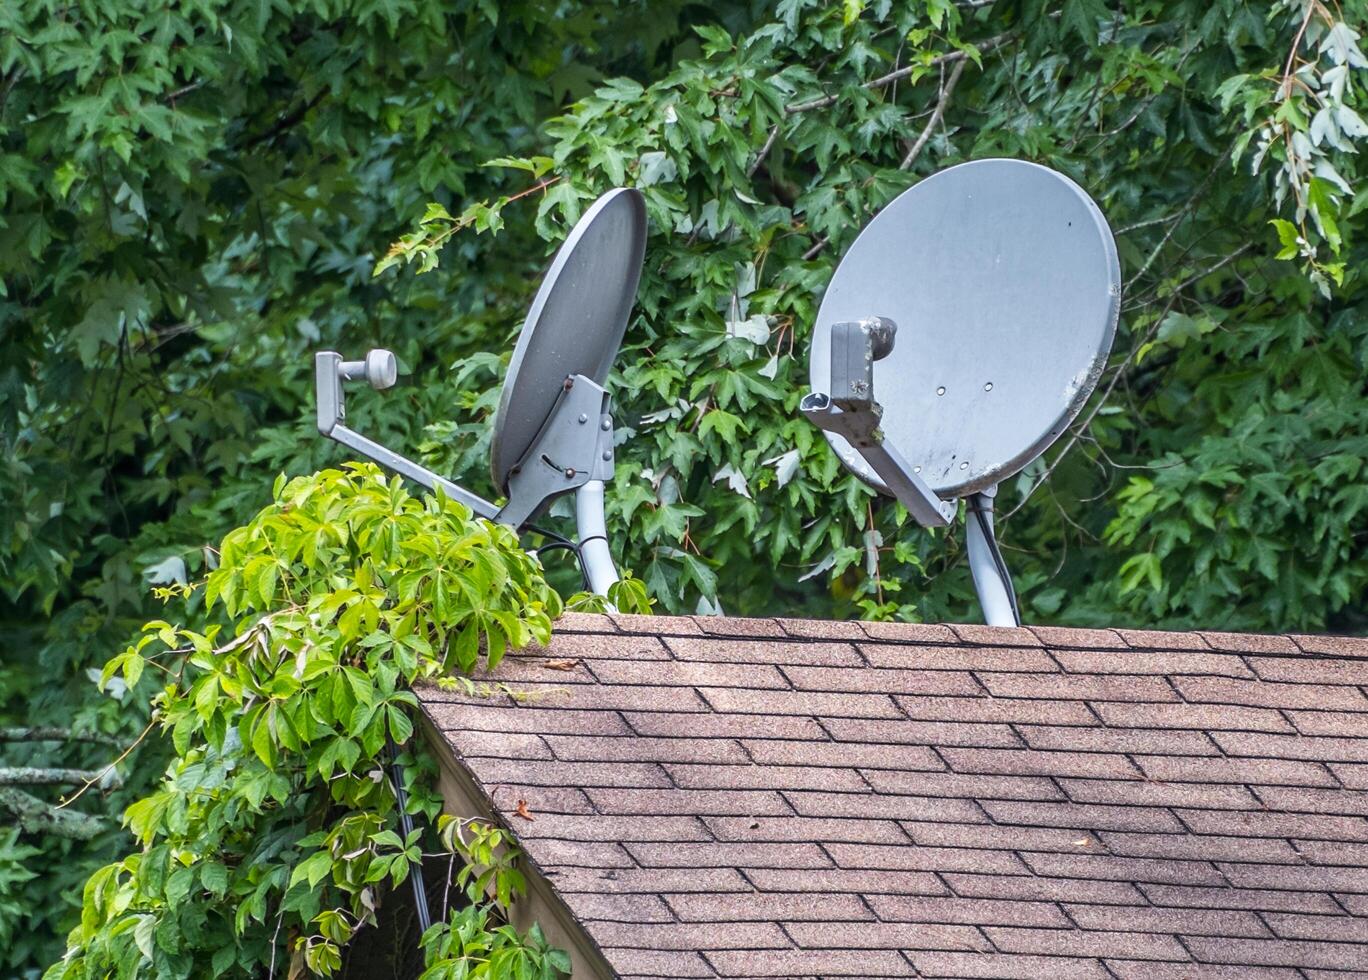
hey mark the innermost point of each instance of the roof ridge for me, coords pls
(1096, 640)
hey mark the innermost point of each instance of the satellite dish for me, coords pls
(1003, 279)
(1001, 283)
(553, 433)
(576, 322)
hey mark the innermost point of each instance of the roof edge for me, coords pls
(968, 634)
(462, 798)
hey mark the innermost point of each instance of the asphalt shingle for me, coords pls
(721, 798)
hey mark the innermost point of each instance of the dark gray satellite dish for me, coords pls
(1000, 281)
(552, 432)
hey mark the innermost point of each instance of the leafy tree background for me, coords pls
(194, 196)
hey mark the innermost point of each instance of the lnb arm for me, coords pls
(380, 370)
(851, 412)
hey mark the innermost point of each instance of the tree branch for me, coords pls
(38, 733)
(182, 91)
(893, 76)
(286, 122)
(1213, 268)
(816, 249)
(136, 742)
(1148, 222)
(947, 90)
(36, 817)
(40, 776)
(764, 151)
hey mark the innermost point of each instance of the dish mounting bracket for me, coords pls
(572, 451)
(574, 446)
(851, 412)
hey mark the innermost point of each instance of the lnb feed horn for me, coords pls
(851, 412)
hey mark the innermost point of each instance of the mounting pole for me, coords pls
(593, 537)
(852, 412)
(992, 581)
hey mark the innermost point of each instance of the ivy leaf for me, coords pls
(143, 935)
(312, 869)
(400, 727)
(214, 878)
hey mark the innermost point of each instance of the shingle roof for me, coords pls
(744, 798)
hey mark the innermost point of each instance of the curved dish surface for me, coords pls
(1004, 281)
(575, 324)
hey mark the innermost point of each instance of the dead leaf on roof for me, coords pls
(522, 811)
(560, 664)
(1082, 842)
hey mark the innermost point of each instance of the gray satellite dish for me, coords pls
(553, 433)
(576, 322)
(1001, 282)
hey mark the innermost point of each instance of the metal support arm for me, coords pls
(380, 370)
(572, 452)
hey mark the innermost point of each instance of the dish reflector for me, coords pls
(1003, 279)
(576, 322)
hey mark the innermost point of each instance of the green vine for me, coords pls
(274, 836)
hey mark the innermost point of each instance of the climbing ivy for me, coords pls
(192, 196)
(274, 836)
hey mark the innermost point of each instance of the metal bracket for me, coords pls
(851, 412)
(574, 446)
(380, 370)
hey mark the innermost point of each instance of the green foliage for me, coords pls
(1299, 115)
(471, 944)
(760, 160)
(194, 195)
(627, 595)
(1277, 539)
(273, 833)
(13, 873)
(470, 947)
